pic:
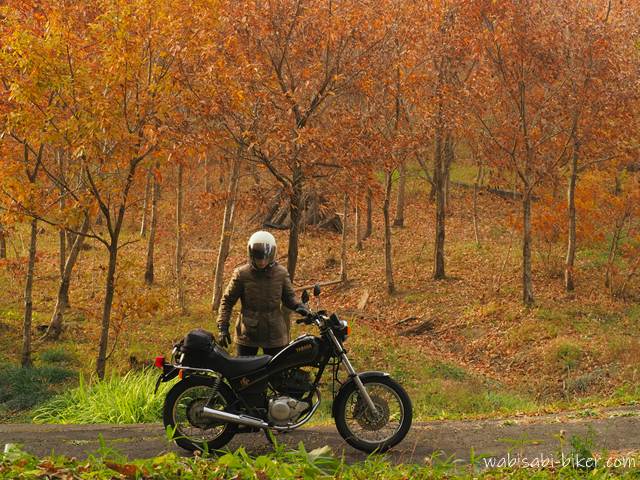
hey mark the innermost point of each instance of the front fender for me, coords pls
(343, 389)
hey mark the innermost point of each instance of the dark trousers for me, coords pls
(245, 351)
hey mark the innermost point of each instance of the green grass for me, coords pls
(447, 399)
(8, 314)
(126, 399)
(289, 464)
(417, 297)
(463, 173)
(568, 354)
(582, 320)
(633, 312)
(57, 355)
(447, 371)
(23, 388)
(595, 257)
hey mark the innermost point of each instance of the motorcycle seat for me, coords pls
(232, 367)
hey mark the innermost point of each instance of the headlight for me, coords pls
(344, 326)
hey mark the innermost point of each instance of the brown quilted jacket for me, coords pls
(261, 294)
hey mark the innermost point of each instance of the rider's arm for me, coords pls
(229, 299)
(288, 295)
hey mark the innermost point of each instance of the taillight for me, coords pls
(160, 362)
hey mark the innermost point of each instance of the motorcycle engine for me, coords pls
(293, 383)
(287, 405)
(283, 410)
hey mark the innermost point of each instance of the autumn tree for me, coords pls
(291, 61)
(113, 96)
(598, 66)
(24, 165)
(22, 100)
(452, 60)
(516, 90)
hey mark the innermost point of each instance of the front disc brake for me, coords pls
(369, 420)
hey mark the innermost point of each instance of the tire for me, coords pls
(349, 402)
(185, 394)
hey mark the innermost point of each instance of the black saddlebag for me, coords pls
(197, 347)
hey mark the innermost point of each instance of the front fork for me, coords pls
(352, 372)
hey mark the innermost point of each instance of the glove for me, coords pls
(225, 338)
(301, 309)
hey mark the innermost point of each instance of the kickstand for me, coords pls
(272, 436)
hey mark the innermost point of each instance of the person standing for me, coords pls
(263, 286)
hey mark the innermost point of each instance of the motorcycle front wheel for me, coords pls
(183, 413)
(374, 431)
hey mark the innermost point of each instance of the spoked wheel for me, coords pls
(374, 431)
(183, 411)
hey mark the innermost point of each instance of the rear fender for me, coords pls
(344, 388)
(169, 372)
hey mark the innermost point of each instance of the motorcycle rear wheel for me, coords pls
(374, 432)
(183, 413)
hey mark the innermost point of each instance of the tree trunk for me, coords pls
(294, 229)
(182, 302)
(225, 235)
(61, 233)
(369, 230)
(207, 173)
(62, 302)
(145, 205)
(476, 185)
(62, 241)
(106, 311)
(357, 221)
(63, 260)
(527, 287)
(449, 155)
(343, 247)
(3, 243)
(387, 234)
(439, 181)
(28, 298)
(149, 274)
(571, 241)
(613, 250)
(402, 183)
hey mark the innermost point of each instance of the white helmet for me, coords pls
(262, 245)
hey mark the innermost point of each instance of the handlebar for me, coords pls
(311, 318)
(308, 320)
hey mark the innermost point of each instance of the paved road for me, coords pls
(614, 430)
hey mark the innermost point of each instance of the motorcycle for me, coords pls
(219, 395)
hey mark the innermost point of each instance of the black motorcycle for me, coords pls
(219, 395)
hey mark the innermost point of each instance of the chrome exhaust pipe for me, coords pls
(233, 418)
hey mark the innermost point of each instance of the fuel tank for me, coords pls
(304, 350)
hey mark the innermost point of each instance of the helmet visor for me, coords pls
(262, 251)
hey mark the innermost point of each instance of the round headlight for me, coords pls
(344, 326)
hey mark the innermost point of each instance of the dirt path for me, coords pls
(531, 437)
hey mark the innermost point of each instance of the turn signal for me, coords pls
(160, 362)
(348, 329)
(181, 374)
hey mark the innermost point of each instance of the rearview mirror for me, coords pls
(305, 297)
(316, 290)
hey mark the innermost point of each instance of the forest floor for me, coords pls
(471, 349)
(550, 438)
